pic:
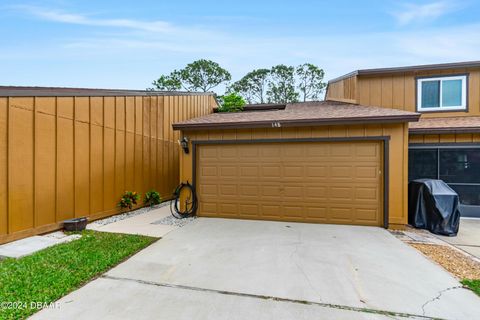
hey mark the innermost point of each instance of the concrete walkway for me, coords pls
(234, 269)
(30, 245)
(143, 224)
(468, 237)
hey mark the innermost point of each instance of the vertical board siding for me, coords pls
(3, 166)
(344, 90)
(398, 91)
(45, 184)
(66, 157)
(398, 153)
(21, 169)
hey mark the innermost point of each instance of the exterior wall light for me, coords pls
(184, 144)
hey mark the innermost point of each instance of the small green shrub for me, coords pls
(232, 102)
(128, 200)
(152, 198)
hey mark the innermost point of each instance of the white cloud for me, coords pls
(157, 26)
(421, 12)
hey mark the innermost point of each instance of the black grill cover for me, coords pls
(433, 205)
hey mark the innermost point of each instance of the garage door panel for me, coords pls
(313, 212)
(341, 214)
(228, 152)
(209, 171)
(341, 193)
(208, 190)
(248, 171)
(229, 190)
(270, 210)
(208, 208)
(296, 192)
(317, 192)
(249, 153)
(366, 151)
(366, 172)
(271, 191)
(208, 153)
(366, 214)
(366, 193)
(228, 171)
(292, 211)
(340, 172)
(270, 152)
(320, 182)
(249, 209)
(230, 209)
(249, 190)
(316, 171)
(340, 150)
(272, 171)
(293, 171)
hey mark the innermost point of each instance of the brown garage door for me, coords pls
(324, 182)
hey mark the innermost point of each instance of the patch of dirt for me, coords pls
(458, 264)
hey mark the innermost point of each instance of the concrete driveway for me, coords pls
(235, 269)
(468, 237)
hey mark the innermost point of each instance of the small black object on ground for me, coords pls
(77, 224)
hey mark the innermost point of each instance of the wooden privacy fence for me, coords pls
(67, 153)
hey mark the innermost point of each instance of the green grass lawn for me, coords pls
(472, 284)
(49, 274)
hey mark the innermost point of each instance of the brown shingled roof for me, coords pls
(300, 114)
(446, 125)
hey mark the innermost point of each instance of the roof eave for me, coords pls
(450, 130)
(16, 91)
(427, 67)
(295, 123)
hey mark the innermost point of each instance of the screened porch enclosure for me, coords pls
(458, 166)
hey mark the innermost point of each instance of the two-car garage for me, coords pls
(304, 181)
(324, 162)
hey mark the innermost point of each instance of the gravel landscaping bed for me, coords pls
(129, 214)
(172, 221)
(457, 263)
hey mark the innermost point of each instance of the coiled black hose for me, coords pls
(184, 192)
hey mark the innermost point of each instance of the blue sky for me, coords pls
(127, 44)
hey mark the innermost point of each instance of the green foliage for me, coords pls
(281, 88)
(201, 75)
(231, 103)
(281, 84)
(474, 285)
(172, 82)
(152, 198)
(253, 86)
(128, 200)
(49, 274)
(310, 81)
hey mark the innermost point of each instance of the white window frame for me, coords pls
(463, 106)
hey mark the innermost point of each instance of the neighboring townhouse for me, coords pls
(444, 144)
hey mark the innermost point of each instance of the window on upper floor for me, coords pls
(442, 93)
